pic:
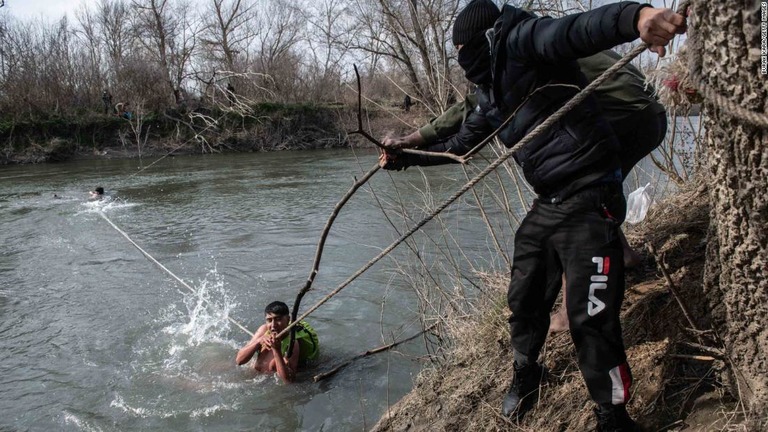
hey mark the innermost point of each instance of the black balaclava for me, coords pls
(469, 31)
(475, 59)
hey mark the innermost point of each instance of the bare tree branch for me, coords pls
(380, 349)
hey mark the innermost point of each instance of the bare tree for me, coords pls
(183, 47)
(90, 74)
(279, 29)
(55, 55)
(227, 31)
(329, 40)
(414, 36)
(169, 34)
(737, 250)
(115, 33)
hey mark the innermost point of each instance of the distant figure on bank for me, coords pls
(271, 353)
(127, 113)
(407, 103)
(97, 193)
(123, 110)
(231, 94)
(106, 98)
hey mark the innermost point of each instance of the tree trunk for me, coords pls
(735, 279)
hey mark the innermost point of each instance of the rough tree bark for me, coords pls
(737, 257)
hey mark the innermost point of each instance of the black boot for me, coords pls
(524, 391)
(614, 418)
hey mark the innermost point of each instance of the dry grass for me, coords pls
(671, 391)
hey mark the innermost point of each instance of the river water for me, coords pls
(93, 336)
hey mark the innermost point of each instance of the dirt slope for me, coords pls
(678, 372)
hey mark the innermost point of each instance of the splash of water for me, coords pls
(106, 204)
(196, 344)
(188, 353)
(207, 312)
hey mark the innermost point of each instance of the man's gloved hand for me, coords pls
(393, 160)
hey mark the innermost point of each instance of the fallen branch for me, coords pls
(714, 352)
(672, 288)
(360, 129)
(339, 205)
(383, 348)
(459, 159)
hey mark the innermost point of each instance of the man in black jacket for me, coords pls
(627, 103)
(526, 65)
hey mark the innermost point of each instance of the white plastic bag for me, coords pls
(637, 205)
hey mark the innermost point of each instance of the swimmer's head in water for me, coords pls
(97, 193)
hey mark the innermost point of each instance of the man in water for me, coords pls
(97, 193)
(272, 354)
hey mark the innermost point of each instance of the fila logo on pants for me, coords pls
(599, 282)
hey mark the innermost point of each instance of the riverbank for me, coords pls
(262, 127)
(678, 372)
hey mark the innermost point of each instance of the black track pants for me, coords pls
(578, 236)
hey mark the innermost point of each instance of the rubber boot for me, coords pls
(524, 391)
(614, 418)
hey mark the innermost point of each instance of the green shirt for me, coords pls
(449, 122)
(624, 94)
(309, 344)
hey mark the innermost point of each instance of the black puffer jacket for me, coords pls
(534, 74)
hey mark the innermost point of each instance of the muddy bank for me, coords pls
(678, 372)
(265, 127)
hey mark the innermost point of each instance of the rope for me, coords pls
(712, 96)
(165, 269)
(577, 99)
(158, 160)
(727, 105)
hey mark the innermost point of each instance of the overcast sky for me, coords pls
(51, 10)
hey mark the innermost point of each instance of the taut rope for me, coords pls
(165, 269)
